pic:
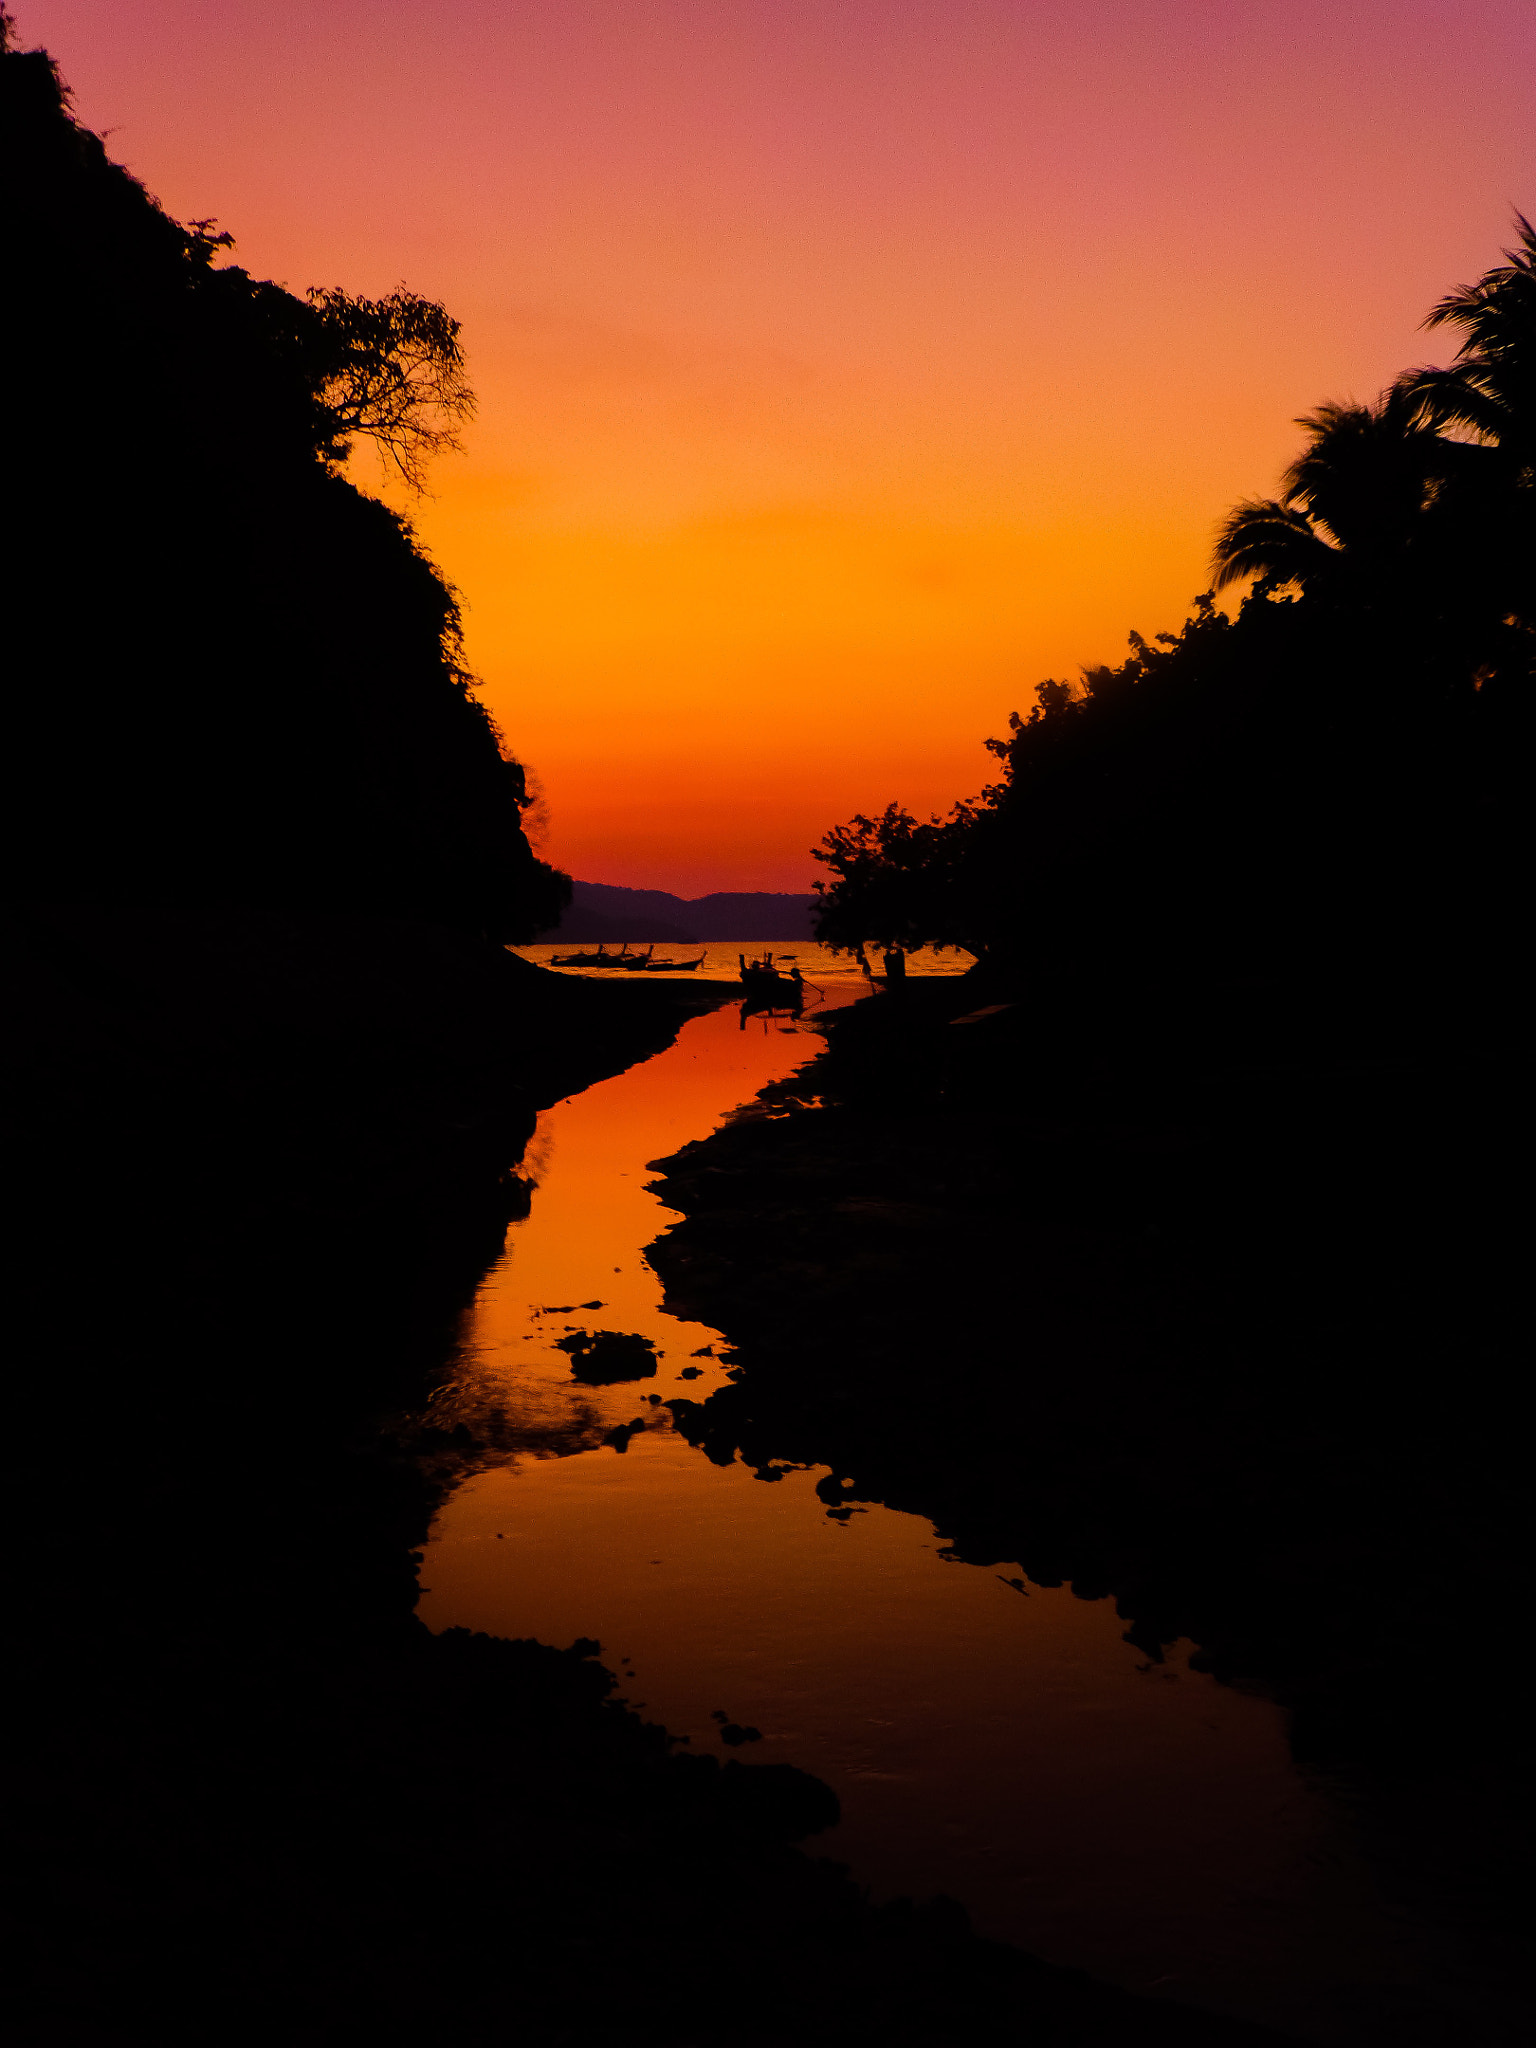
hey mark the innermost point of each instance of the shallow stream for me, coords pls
(990, 1739)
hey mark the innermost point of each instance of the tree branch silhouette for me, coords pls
(391, 370)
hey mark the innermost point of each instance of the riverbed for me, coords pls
(988, 1738)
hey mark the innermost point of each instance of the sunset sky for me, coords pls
(844, 368)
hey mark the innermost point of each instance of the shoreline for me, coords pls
(267, 1793)
(1109, 1325)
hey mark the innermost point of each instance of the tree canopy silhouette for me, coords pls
(893, 886)
(1490, 390)
(233, 678)
(1421, 508)
(1352, 509)
(389, 369)
(1329, 775)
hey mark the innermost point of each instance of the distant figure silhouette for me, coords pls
(895, 966)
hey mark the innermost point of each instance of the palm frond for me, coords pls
(1335, 431)
(1460, 400)
(1498, 313)
(1265, 537)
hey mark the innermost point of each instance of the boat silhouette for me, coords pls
(632, 963)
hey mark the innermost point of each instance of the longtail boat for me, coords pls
(600, 958)
(666, 966)
(761, 978)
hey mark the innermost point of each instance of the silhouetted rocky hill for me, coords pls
(234, 681)
(599, 911)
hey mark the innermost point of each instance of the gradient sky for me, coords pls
(844, 368)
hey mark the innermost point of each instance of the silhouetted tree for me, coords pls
(1352, 509)
(1329, 777)
(1484, 407)
(390, 369)
(1490, 390)
(893, 886)
(1420, 511)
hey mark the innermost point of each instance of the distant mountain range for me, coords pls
(600, 912)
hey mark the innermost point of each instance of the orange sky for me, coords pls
(844, 368)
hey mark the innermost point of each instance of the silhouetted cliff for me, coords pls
(233, 678)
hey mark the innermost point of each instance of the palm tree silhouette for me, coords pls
(1351, 507)
(1490, 390)
(1420, 510)
(1484, 408)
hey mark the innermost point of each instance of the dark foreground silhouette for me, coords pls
(271, 1080)
(255, 1799)
(1169, 1252)
(1201, 1319)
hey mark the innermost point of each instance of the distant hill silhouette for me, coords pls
(600, 912)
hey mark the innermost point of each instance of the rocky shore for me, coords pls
(1204, 1324)
(330, 1066)
(263, 1169)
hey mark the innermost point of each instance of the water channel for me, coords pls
(987, 1738)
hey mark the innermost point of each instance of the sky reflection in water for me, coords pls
(1138, 1821)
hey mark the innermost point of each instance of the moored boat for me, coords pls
(601, 958)
(761, 978)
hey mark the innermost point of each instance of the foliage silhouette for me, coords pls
(1490, 391)
(1353, 505)
(1326, 777)
(391, 369)
(892, 882)
(1420, 508)
(1163, 1253)
(235, 679)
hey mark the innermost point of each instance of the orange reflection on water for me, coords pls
(1013, 1750)
(591, 1219)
